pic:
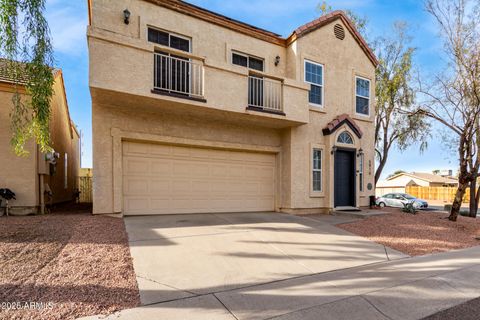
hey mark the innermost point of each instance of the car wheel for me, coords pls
(382, 205)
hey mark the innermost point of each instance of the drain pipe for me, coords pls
(42, 194)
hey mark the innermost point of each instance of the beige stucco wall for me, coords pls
(342, 61)
(130, 69)
(65, 141)
(151, 125)
(123, 102)
(16, 173)
(21, 173)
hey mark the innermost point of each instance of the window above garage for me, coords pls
(169, 40)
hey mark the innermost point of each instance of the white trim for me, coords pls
(322, 86)
(369, 97)
(312, 170)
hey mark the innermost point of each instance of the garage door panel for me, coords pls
(161, 179)
(160, 167)
(135, 148)
(137, 187)
(159, 187)
(137, 166)
(159, 150)
(236, 171)
(220, 170)
(136, 204)
(200, 170)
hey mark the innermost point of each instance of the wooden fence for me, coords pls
(446, 194)
(85, 188)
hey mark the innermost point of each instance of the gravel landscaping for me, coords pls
(420, 234)
(75, 264)
(469, 310)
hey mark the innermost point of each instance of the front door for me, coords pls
(344, 178)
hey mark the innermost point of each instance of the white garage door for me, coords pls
(162, 179)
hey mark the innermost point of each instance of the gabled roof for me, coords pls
(328, 18)
(7, 76)
(339, 121)
(259, 33)
(428, 177)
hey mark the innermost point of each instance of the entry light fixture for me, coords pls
(360, 152)
(126, 16)
(277, 60)
(334, 149)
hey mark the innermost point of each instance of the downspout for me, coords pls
(41, 177)
(42, 194)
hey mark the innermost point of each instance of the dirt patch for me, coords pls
(75, 264)
(420, 234)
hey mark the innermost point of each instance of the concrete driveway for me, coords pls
(187, 255)
(277, 266)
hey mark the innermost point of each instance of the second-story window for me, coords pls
(362, 102)
(167, 39)
(247, 61)
(314, 76)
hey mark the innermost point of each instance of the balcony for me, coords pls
(265, 94)
(178, 76)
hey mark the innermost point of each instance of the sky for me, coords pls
(68, 23)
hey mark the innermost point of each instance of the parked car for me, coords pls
(399, 200)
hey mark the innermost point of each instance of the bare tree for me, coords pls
(452, 98)
(394, 123)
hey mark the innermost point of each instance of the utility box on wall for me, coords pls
(47, 163)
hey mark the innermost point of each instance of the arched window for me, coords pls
(345, 138)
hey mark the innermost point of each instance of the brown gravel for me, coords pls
(420, 234)
(78, 262)
(469, 310)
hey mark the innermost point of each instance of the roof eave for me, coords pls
(299, 33)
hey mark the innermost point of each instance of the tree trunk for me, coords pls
(457, 202)
(473, 198)
(477, 199)
(381, 165)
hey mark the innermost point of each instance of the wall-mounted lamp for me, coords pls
(360, 153)
(126, 16)
(277, 60)
(334, 149)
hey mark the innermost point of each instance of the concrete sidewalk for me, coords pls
(404, 289)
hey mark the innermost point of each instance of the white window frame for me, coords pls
(171, 34)
(248, 56)
(313, 170)
(65, 163)
(357, 95)
(315, 84)
(343, 143)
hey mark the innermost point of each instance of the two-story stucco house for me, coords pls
(38, 179)
(195, 112)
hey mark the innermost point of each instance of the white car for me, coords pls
(399, 200)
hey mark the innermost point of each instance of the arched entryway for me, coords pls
(344, 154)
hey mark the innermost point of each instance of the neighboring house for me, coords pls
(196, 112)
(399, 182)
(24, 175)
